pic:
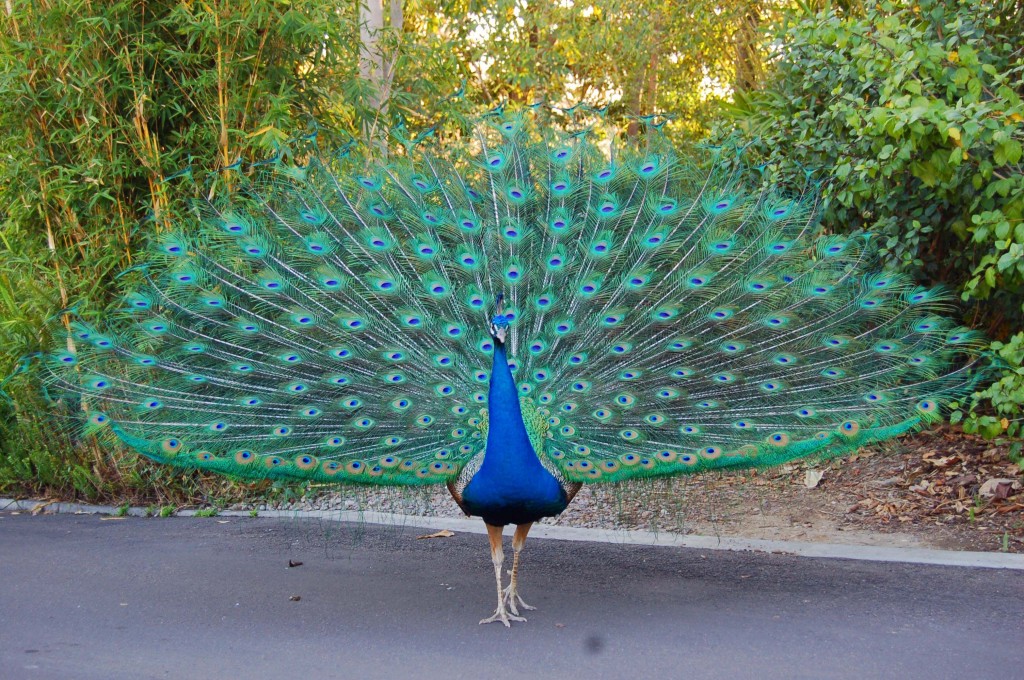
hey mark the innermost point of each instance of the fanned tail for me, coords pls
(330, 321)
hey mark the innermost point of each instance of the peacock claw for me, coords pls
(511, 596)
(501, 615)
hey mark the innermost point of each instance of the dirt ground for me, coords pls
(938, 489)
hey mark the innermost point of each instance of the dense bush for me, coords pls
(100, 102)
(911, 115)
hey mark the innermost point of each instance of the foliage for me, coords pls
(101, 100)
(635, 56)
(912, 112)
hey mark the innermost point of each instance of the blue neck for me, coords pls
(508, 446)
(511, 486)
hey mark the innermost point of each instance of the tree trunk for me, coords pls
(371, 61)
(748, 61)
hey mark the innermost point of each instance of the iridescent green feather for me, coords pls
(330, 324)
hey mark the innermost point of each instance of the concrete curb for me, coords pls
(475, 526)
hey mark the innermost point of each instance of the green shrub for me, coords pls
(911, 113)
(100, 102)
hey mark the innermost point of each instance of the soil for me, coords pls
(939, 489)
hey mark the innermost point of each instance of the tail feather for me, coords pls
(330, 321)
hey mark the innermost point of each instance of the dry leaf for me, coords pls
(996, 488)
(41, 507)
(443, 533)
(812, 477)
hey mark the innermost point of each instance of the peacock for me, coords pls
(537, 308)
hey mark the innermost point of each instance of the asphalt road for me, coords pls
(84, 598)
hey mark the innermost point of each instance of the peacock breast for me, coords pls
(514, 495)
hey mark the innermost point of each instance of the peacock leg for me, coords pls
(498, 558)
(512, 592)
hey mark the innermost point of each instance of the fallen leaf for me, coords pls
(812, 477)
(40, 508)
(295, 598)
(294, 564)
(998, 489)
(443, 533)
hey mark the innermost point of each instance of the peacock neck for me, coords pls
(511, 486)
(508, 444)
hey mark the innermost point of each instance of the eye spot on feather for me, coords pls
(720, 314)
(710, 452)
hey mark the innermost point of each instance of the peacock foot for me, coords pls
(511, 596)
(501, 614)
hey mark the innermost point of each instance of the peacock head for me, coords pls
(499, 322)
(499, 328)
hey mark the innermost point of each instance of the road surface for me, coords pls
(82, 597)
